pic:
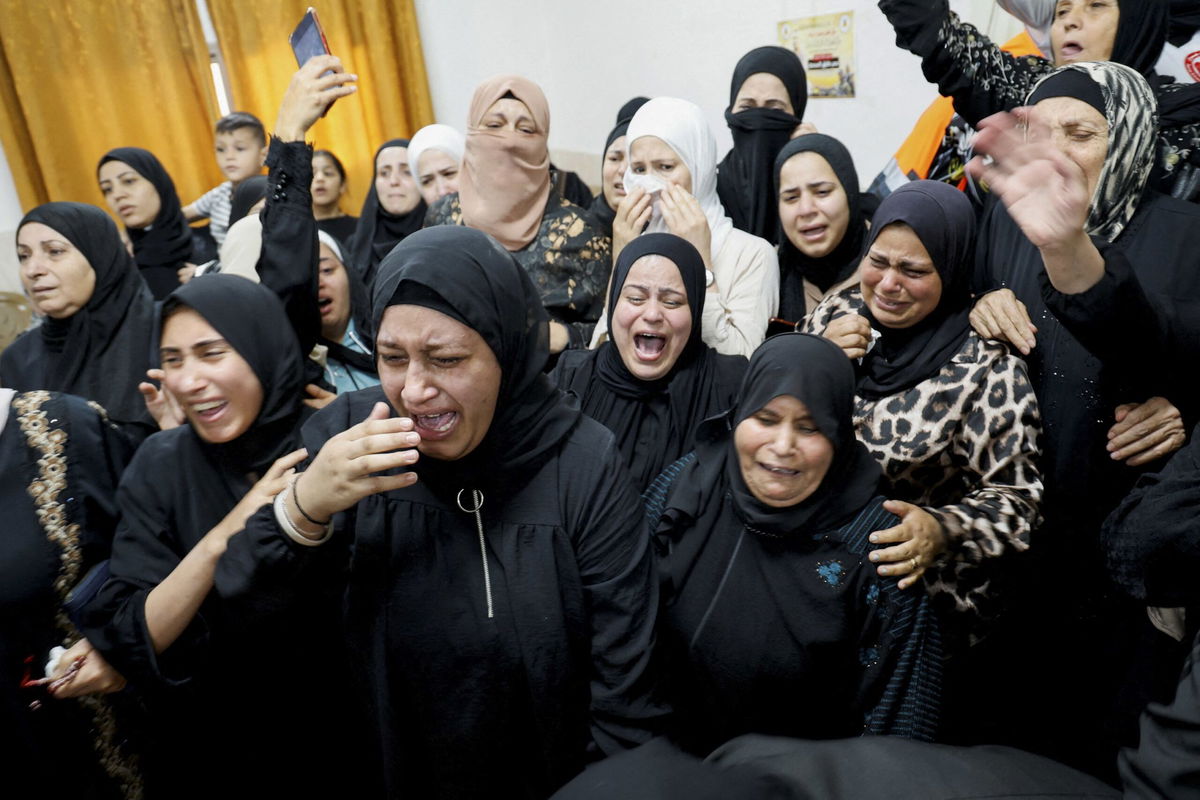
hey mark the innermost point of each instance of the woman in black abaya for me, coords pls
(383, 223)
(766, 106)
(654, 380)
(193, 642)
(774, 619)
(94, 343)
(501, 597)
(138, 189)
(822, 222)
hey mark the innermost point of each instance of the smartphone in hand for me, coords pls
(309, 40)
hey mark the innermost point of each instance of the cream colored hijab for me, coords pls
(505, 178)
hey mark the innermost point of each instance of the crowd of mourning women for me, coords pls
(731, 481)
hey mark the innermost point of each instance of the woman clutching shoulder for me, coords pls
(774, 619)
(505, 189)
(501, 597)
(952, 418)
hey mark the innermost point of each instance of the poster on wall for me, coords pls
(825, 44)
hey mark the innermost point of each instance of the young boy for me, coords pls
(241, 144)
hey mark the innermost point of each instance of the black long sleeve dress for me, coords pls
(60, 460)
(464, 705)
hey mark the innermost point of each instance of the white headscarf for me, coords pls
(434, 137)
(682, 126)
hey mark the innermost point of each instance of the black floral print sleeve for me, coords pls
(983, 80)
(568, 261)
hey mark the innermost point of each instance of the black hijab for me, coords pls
(654, 421)
(466, 275)
(378, 231)
(601, 210)
(252, 319)
(824, 272)
(247, 193)
(944, 221)
(743, 176)
(1142, 27)
(163, 247)
(816, 372)
(102, 351)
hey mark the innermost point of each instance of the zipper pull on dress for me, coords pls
(477, 503)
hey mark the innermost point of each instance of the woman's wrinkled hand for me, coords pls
(161, 404)
(1000, 315)
(1044, 191)
(916, 543)
(1145, 432)
(308, 95)
(851, 332)
(686, 219)
(94, 674)
(344, 471)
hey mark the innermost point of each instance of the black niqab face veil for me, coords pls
(378, 231)
(252, 319)
(817, 373)
(942, 218)
(167, 243)
(743, 176)
(467, 275)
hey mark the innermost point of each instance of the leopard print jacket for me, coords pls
(964, 445)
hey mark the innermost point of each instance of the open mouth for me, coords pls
(435, 426)
(209, 411)
(325, 305)
(813, 234)
(782, 471)
(649, 346)
(125, 211)
(1070, 49)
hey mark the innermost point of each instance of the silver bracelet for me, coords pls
(284, 520)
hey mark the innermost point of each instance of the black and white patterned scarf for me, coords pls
(1131, 111)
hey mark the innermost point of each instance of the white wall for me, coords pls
(590, 58)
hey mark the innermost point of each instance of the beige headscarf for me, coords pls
(505, 178)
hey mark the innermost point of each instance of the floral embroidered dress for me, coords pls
(568, 261)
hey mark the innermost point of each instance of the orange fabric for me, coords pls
(505, 178)
(80, 77)
(916, 154)
(377, 40)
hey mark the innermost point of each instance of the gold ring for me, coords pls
(913, 560)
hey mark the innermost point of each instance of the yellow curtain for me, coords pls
(79, 77)
(377, 40)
